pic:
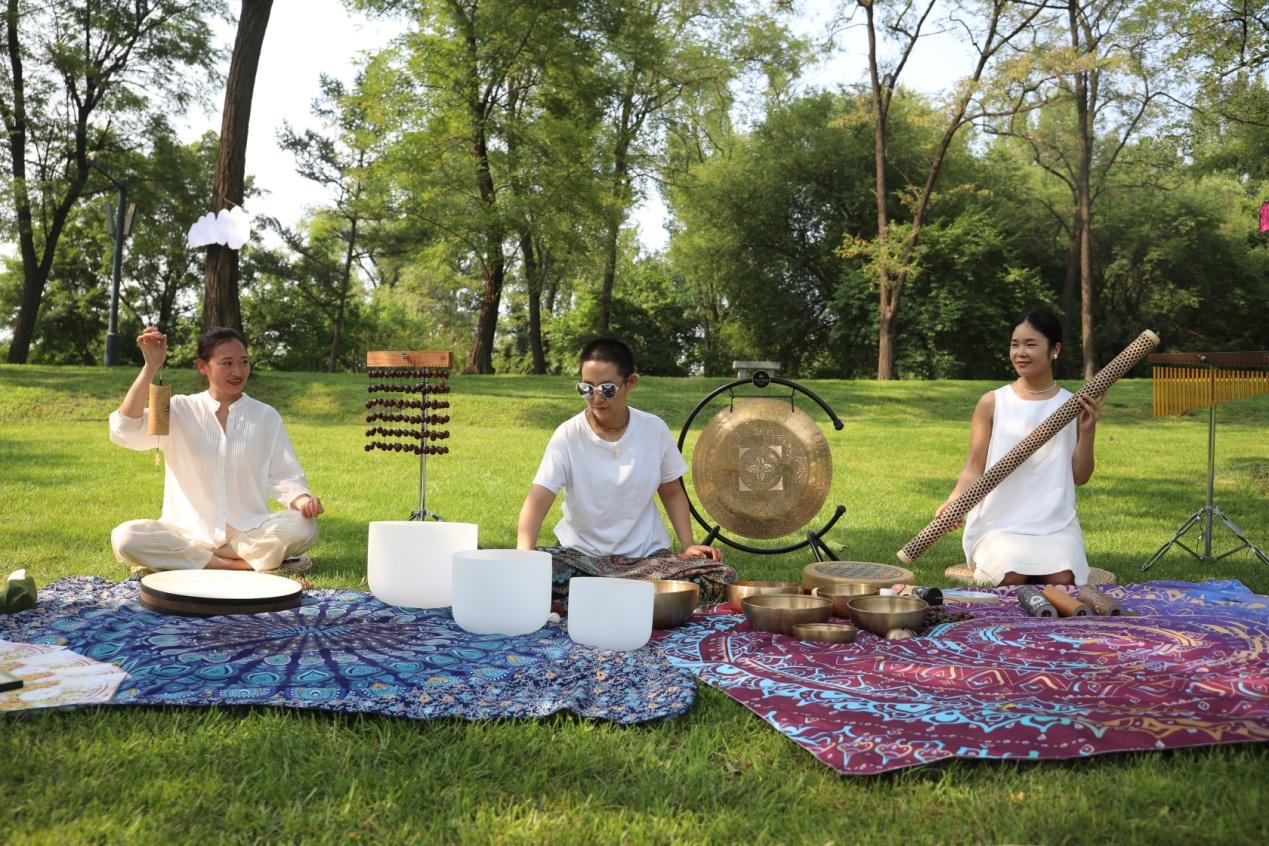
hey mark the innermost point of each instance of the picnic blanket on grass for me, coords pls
(347, 651)
(1191, 670)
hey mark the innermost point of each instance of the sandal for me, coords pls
(294, 565)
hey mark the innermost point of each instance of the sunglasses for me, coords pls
(607, 390)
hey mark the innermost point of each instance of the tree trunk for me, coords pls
(346, 283)
(1071, 282)
(220, 298)
(481, 358)
(533, 286)
(35, 270)
(1083, 201)
(888, 299)
(616, 212)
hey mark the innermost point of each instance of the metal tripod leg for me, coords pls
(1206, 534)
(1176, 538)
(1209, 510)
(1238, 533)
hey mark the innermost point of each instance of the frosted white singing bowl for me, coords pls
(610, 613)
(502, 591)
(411, 562)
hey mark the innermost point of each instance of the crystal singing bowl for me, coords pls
(780, 612)
(673, 602)
(737, 591)
(882, 614)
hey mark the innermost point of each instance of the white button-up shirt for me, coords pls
(217, 477)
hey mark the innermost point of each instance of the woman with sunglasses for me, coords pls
(610, 459)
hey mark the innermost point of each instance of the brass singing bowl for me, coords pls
(882, 614)
(780, 612)
(825, 632)
(842, 593)
(762, 468)
(737, 591)
(673, 602)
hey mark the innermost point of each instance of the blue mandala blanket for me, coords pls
(346, 651)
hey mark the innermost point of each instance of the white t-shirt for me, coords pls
(1038, 498)
(217, 477)
(609, 486)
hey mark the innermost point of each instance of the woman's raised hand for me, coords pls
(153, 344)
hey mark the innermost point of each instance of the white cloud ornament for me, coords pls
(230, 228)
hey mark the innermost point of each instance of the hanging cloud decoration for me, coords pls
(230, 228)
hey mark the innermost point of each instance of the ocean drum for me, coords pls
(502, 591)
(211, 593)
(610, 613)
(411, 562)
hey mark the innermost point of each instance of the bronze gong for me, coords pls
(762, 468)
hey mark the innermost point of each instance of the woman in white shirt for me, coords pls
(225, 455)
(610, 459)
(1026, 529)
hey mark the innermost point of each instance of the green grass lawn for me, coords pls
(718, 774)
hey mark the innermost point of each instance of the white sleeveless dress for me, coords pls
(1027, 524)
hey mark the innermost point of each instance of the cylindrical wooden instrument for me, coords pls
(1099, 603)
(159, 420)
(1066, 605)
(1039, 436)
(1034, 603)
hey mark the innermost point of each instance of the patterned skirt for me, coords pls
(712, 577)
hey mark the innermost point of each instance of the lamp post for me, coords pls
(121, 228)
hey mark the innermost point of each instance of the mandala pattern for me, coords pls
(346, 651)
(1192, 669)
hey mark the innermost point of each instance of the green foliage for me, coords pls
(86, 80)
(1186, 263)
(652, 314)
(161, 277)
(718, 774)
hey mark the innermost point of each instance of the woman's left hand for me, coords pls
(697, 550)
(1090, 412)
(308, 505)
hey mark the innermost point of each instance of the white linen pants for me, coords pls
(164, 546)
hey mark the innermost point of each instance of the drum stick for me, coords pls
(1066, 605)
(159, 420)
(1038, 437)
(1099, 602)
(1034, 603)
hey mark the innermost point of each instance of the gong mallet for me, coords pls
(1039, 436)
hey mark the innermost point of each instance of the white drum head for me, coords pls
(209, 593)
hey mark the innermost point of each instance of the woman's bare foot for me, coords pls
(218, 563)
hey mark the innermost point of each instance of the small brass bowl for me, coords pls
(780, 612)
(825, 632)
(737, 591)
(673, 602)
(842, 593)
(881, 614)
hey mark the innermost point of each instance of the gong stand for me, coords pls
(761, 379)
(405, 411)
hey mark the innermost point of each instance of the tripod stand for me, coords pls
(1206, 516)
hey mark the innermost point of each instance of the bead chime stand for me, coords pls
(406, 391)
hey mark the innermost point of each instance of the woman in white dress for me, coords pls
(1026, 529)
